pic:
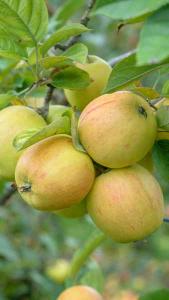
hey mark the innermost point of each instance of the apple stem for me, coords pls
(84, 252)
(25, 188)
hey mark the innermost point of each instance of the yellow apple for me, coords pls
(35, 102)
(99, 72)
(80, 292)
(55, 111)
(52, 175)
(117, 130)
(14, 120)
(59, 270)
(74, 211)
(127, 204)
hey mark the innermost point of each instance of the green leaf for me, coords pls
(63, 33)
(23, 22)
(6, 99)
(165, 89)
(55, 62)
(129, 9)
(163, 117)
(162, 294)
(154, 49)
(74, 131)
(100, 3)
(67, 9)
(77, 52)
(146, 92)
(29, 137)
(71, 78)
(10, 48)
(161, 159)
(126, 72)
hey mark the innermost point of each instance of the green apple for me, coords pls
(99, 72)
(75, 211)
(59, 270)
(80, 292)
(14, 120)
(52, 175)
(117, 130)
(127, 204)
(55, 111)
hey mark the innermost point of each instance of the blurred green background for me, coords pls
(30, 241)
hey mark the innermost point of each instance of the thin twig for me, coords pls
(45, 109)
(7, 195)
(33, 86)
(84, 21)
(117, 59)
(155, 101)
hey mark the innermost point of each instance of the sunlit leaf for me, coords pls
(127, 71)
(163, 117)
(61, 125)
(122, 10)
(62, 34)
(71, 78)
(22, 24)
(154, 49)
(77, 52)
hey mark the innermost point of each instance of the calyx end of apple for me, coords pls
(25, 188)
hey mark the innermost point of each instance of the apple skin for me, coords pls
(117, 130)
(80, 292)
(55, 111)
(35, 102)
(74, 211)
(56, 174)
(127, 204)
(14, 120)
(99, 71)
(59, 270)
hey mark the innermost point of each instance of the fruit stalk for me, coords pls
(83, 253)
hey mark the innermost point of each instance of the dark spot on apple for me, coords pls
(142, 111)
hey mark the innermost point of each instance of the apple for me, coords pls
(127, 204)
(59, 270)
(80, 292)
(55, 111)
(117, 130)
(99, 72)
(52, 175)
(14, 120)
(35, 102)
(74, 211)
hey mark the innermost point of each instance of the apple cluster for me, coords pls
(117, 131)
